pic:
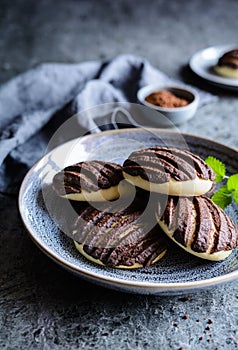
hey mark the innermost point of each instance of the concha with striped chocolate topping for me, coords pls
(227, 64)
(168, 171)
(199, 226)
(91, 181)
(118, 239)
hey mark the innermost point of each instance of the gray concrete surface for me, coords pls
(43, 306)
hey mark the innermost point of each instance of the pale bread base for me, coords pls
(217, 256)
(227, 72)
(97, 261)
(196, 187)
(108, 194)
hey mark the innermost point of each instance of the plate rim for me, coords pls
(217, 80)
(117, 281)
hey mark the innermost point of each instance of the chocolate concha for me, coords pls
(118, 239)
(229, 58)
(199, 226)
(168, 171)
(91, 181)
(227, 65)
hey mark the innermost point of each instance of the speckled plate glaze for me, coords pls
(202, 63)
(178, 272)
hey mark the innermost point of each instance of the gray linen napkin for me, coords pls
(34, 104)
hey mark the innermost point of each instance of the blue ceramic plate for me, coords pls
(178, 272)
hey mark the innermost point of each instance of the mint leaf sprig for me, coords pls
(227, 192)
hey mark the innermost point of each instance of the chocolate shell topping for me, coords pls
(229, 59)
(198, 223)
(119, 239)
(160, 164)
(88, 176)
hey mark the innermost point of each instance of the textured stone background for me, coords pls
(41, 305)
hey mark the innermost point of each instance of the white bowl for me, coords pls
(176, 115)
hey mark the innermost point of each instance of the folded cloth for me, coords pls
(34, 104)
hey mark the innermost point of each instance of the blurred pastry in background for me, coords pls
(227, 65)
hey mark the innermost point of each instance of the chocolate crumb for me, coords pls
(208, 340)
(105, 334)
(217, 349)
(184, 299)
(198, 320)
(210, 321)
(182, 348)
(186, 317)
(208, 328)
(201, 338)
(175, 325)
(210, 335)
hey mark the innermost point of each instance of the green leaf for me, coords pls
(232, 183)
(232, 186)
(217, 166)
(223, 197)
(235, 196)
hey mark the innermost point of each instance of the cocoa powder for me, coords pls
(166, 99)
